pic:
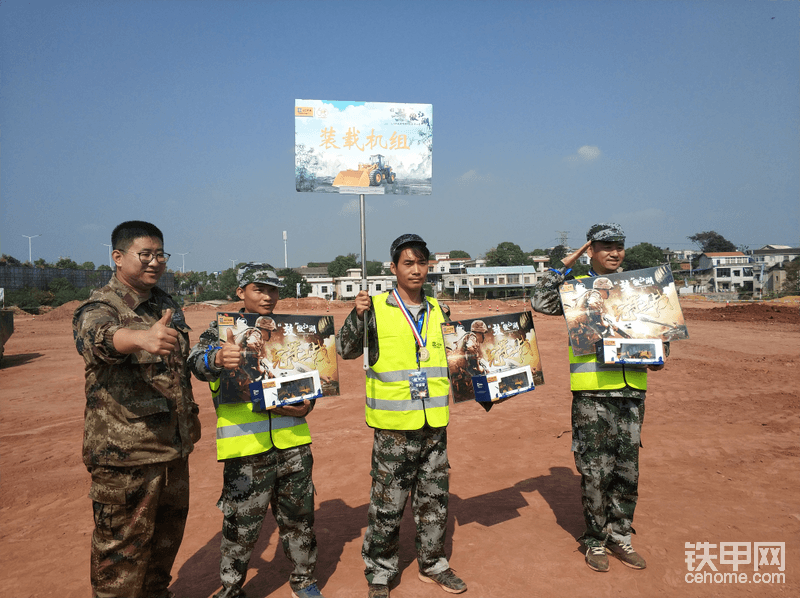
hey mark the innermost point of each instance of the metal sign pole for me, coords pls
(364, 286)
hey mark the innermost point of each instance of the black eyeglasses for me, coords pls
(147, 256)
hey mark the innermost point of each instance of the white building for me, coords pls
(493, 281)
(725, 271)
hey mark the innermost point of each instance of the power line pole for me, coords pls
(285, 252)
(183, 262)
(30, 258)
(110, 263)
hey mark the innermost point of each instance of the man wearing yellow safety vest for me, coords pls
(607, 416)
(407, 404)
(267, 455)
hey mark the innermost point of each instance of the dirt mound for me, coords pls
(62, 312)
(749, 312)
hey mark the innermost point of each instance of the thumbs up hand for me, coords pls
(161, 339)
(229, 355)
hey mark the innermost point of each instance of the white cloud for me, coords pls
(471, 176)
(585, 153)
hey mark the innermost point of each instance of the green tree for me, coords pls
(29, 298)
(643, 255)
(65, 263)
(227, 283)
(558, 253)
(712, 241)
(506, 254)
(87, 266)
(342, 264)
(42, 263)
(7, 260)
(104, 267)
(64, 291)
(538, 252)
(457, 253)
(374, 268)
(290, 280)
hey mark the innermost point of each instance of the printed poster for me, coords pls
(363, 147)
(492, 358)
(640, 304)
(288, 358)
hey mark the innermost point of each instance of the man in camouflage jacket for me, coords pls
(271, 469)
(606, 424)
(140, 419)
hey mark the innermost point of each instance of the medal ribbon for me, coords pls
(416, 328)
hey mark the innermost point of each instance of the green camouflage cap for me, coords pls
(258, 272)
(606, 231)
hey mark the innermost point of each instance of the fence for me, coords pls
(13, 278)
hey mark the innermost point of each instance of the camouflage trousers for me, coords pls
(605, 441)
(282, 479)
(139, 518)
(407, 462)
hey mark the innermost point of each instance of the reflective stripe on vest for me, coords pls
(241, 432)
(389, 403)
(586, 373)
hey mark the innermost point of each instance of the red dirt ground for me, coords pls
(719, 464)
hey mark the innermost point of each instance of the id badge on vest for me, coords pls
(418, 381)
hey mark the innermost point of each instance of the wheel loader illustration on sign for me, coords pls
(372, 174)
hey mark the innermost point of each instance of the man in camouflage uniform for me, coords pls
(140, 419)
(267, 456)
(606, 423)
(409, 453)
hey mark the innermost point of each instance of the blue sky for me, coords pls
(670, 118)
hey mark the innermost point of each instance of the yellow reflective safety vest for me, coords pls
(586, 373)
(242, 432)
(389, 402)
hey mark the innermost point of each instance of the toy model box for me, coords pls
(640, 304)
(631, 351)
(286, 359)
(278, 392)
(492, 358)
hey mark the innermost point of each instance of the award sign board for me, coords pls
(492, 358)
(286, 359)
(640, 304)
(363, 147)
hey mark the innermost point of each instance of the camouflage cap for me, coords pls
(258, 272)
(606, 231)
(407, 239)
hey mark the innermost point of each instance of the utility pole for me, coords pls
(110, 263)
(183, 261)
(285, 252)
(233, 264)
(562, 237)
(30, 258)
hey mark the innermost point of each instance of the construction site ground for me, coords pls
(720, 464)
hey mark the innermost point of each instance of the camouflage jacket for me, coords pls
(350, 338)
(546, 300)
(139, 407)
